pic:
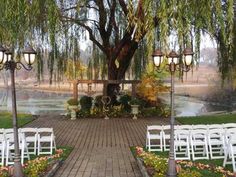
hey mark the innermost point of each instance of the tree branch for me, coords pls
(112, 18)
(102, 24)
(79, 6)
(124, 7)
(90, 31)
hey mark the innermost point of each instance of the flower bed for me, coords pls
(40, 166)
(152, 165)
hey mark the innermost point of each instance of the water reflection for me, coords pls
(34, 102)
(41, 102)
(188, 106)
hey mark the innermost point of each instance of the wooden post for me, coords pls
(133, 89)
(105, 88)
(75, 90)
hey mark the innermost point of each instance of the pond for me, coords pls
(189, 106)
(43, 102)
(34, 102)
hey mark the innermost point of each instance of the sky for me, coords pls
(207, 42)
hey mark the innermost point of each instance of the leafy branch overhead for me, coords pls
(117, 27)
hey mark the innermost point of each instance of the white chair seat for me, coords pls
(180, 142)
(46, 138)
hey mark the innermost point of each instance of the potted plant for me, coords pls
(135, 103)
(73, 107)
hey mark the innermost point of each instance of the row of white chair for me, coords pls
(31, 141)
(209, 132)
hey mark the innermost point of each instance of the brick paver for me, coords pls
(101, 147)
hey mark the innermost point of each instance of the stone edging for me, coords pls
(54, 169)
(142, 167)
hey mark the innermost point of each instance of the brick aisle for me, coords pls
(101, 147)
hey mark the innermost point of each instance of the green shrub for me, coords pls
(151, 112)
(86, 103)
(124, 101)
(135, 101)
(73, 101)
(98, 102)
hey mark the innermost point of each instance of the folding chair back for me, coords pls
(154, 138)
(215, 126)
(181, 143)
(31, 136)
(199, 127)
(198, 143)
(166, 136)
(46, 140)
(216, 143)
(229, 125)
(184, 127)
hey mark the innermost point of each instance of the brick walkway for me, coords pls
(101, 147)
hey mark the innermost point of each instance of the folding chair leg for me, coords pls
(35, 147)
(225, 160)
(38, 148)
(55, 147)
(51, 147)
(233, 163)
(161, 146)
(149, 145)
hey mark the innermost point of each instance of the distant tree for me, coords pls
(209, 56)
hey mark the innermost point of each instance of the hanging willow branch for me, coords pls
(117, 27)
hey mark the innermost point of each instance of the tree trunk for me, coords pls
(118, 72)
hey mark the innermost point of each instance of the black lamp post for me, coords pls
(173, 64)
(8, 63)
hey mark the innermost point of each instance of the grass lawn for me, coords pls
(210, 119)
(6, 119)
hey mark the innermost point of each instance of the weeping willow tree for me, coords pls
(117, 27)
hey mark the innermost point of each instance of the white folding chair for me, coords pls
(229, 157)
(46, 141)
(10, 148)
(216, 143)
(31, 135)
(181, 143)
(2, 148)
(166, 137)
(154, 138)
(198, 143)
(199, 127)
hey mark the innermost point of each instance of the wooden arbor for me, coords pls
(105, 83)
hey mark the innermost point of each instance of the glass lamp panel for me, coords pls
(26, 57)
(4, 59)
(1, 56)
(157, 60)
(29, 58)
(176, 60)
(170, 60)
(8, 57)
(32, 58)
(188, 59)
